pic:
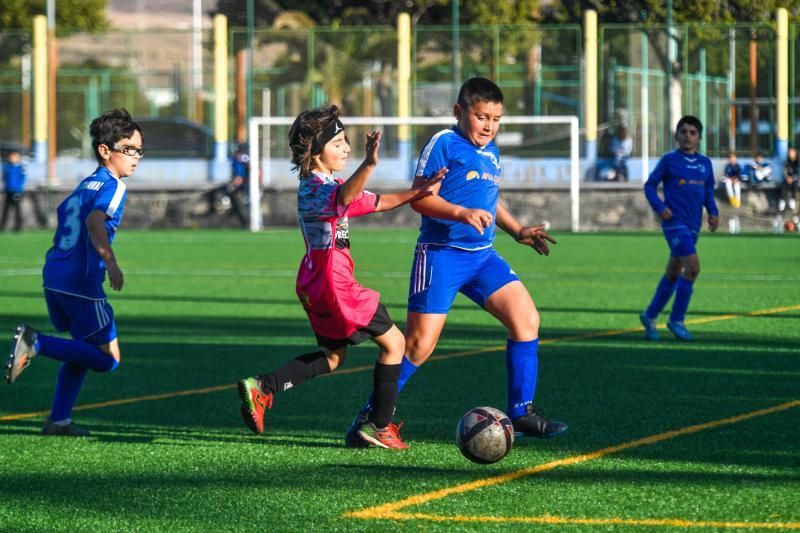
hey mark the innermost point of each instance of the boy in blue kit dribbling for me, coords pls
(455, 254)
(74, 271)
(688, 181)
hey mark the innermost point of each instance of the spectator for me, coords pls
(791, 172)
(761, 170)
(14, 181)
(733, 181)
(232, 195)
(621, 148)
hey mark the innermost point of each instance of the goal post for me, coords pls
(528, 158)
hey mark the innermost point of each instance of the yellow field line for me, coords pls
(560, 520)
(217, 388)
(380, 510)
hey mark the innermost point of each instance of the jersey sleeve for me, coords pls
(651, 186)
(433, 156)
(364, 204)
(109, 198)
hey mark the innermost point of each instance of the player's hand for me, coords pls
(373, 143)
(713, 222)
(115, 278)
(666, 214)
(477, 218)
(429, 187)
(536, 237)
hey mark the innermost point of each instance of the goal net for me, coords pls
(536, 152)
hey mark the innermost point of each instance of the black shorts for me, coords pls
(380, 324)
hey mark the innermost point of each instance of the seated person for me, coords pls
(621, 148)
(761, 170)
(791, 173)
(733, 181)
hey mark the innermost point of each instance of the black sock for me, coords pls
(295, 372)
(384, 388)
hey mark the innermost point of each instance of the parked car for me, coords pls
(176, 138)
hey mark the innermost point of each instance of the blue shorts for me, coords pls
(681, 241)
(86, 319)
(439, 272)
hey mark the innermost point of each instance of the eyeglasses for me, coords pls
(130, 151)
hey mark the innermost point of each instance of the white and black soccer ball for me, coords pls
(485, 435)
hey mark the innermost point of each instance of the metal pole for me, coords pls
(197, 55)
(456, 57)
(52, 68)
(249, 73)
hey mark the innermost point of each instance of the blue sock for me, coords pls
(683, 293)
(661, 297)
(522, 365)
(407, 369)
(70, 379)
(75, 352)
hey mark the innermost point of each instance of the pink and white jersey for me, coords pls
(336, 304)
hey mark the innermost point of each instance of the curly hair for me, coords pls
(110, 127)
(304, 136)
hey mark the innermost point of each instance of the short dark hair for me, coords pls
(690, 120)
(479, 90)
(304, 136)
(111, 127)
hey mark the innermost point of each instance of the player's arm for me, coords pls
(651, 190)
(710, 203)
(96, 226)
(355, 184)
(534, 236)
(420, 189)
(435, 206)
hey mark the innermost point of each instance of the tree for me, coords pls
(71, 15)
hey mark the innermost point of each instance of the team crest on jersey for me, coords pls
(491, 157)
(681, 182)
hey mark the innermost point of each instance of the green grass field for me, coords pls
(662, 435)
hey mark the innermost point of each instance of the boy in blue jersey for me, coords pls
(74, 271)
(455, 254)
(688, 181)
(14, 182)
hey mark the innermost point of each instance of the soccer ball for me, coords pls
(789, 225)
(484, 435)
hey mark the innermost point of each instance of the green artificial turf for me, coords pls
(201, 309)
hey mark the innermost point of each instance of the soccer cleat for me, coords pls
(388, 437)
(679, 330)
(254, 404)
(352, 439)
(67, 430)
(650, 332)
(22, 352)
(533, 424)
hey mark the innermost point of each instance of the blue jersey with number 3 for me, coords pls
(73, 265)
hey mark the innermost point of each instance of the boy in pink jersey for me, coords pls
(342, 312)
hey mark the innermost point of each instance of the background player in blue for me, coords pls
(454, 253)
(688, 181)
(74, 271)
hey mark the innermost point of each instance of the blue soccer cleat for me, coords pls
(679, 330)
(650, 332)
(352, 439)
(533, 424)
